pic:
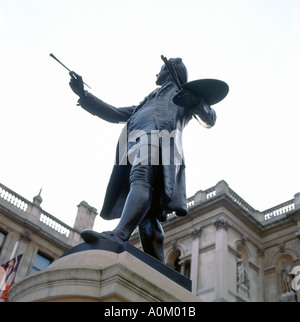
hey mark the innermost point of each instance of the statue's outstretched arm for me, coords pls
(96, 106)
(107, 112)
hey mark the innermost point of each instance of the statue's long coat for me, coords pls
(172, 194)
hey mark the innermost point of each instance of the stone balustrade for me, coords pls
(13, 198)
(223, 188)
(25, 206)
(55, 224)
(281, 209)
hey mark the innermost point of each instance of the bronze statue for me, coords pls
(148, 178)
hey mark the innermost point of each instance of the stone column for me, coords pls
(261, 289)
(195, 258)
(23, 244)
(182, 263)
(221, 259)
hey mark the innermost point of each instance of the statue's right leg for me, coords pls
(136, 207)
(138, 202)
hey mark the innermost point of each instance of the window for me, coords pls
(2, 238)
(40, 263)
(174, 259)
(183, 268)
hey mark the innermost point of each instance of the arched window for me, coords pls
(174, 260)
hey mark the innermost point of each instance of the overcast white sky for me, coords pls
(48, 142)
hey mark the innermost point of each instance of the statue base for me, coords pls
(104, 271)
(288, 297)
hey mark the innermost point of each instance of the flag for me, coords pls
(8, 272)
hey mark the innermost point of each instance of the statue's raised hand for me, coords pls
(187, 99)
(76, 83)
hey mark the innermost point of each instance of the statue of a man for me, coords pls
(147, 181)
(287, 277)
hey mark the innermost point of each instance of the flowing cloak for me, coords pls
(170, 118)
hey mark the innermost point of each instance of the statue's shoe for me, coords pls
(91, 236)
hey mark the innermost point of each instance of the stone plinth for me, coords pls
(114, 273)
(288, 297)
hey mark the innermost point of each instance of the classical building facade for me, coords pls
(229, 250)
(25, 228)
(232, 252)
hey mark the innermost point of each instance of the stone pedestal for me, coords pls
(288, 297)
(104, 272)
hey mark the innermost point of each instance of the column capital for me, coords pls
(221, 222)
(195, 232)
(26, 236)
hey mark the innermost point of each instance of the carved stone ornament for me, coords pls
(244, 239)
(173, 243)
(195, 232)
(26, 236)
(260, 252)
(281, 246)
(222, 223)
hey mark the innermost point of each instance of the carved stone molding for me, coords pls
(221, 223)
(173, 243)
(244, 239)
(26, 237)
(281, 246)
(37, 200)
(196, 232)
(260, 252)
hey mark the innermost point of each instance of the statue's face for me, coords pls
(163, 76)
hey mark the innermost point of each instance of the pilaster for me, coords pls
(221, 258)
(195, 232)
